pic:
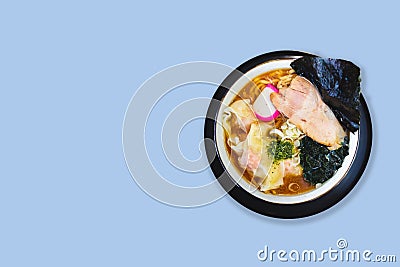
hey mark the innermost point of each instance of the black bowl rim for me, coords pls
(285, 211)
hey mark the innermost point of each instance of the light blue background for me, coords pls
(67, 72)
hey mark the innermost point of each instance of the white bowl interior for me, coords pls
(235, 174)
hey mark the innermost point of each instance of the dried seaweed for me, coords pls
(338, 82)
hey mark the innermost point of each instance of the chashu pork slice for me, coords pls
(302, 104)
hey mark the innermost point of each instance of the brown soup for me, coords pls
(292, 184)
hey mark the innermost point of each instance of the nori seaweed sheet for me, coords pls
(318, 162)
(338, 82)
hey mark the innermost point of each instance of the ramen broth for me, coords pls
(292, 184)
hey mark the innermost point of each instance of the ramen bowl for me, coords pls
(240, 189)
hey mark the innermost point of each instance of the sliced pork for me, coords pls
(302, 104)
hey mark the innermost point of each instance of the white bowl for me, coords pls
(235, 174)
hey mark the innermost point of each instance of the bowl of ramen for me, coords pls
(291, 133)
